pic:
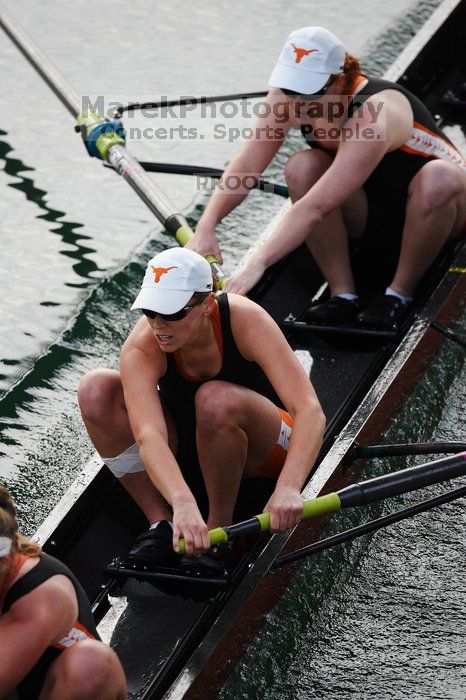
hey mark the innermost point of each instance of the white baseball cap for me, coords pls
(171, 279)
(308, 59)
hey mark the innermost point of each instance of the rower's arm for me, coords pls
(243, 171)
(354, 162)
(141, 366)
(31, 625)
(260, 339)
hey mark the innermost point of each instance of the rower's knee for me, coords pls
(303, 170)
(216, 405)
(98, 393)
(437, 185)
(89, 670)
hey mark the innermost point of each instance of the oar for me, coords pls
(105, 139)
(359, 494)
(187, 101)
(214, 173)
(448, 333)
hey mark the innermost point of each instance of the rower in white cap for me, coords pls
(377, 160)
(230, 394)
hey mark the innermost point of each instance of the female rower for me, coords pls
(49, 646)
(377, 163)
(230, 392)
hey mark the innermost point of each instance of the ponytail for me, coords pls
(351, 70)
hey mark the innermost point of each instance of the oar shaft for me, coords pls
(396, 483)
(41, 63)
(406, 450)
(123, 162)
(117, 155)
(371, 526)
(127, 166)
(448, 333)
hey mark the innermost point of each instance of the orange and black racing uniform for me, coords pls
(83, 628)
(178, 390)
(387, 186)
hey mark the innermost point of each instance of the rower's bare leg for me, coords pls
(236, 430)
(328, 242)
(86, 671)
(104, 413)
(435, 212)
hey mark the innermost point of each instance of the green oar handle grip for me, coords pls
(311, 509)
(216, 535)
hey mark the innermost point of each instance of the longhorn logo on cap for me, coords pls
(159, 271)
(300, 53)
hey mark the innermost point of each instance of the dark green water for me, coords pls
(377, 619)
(383, 616)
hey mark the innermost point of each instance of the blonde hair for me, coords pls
(9, 526)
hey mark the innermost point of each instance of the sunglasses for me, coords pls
(177, 316)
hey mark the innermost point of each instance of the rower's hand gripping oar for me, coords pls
(105, 139)
(359, 494)
(261, 523)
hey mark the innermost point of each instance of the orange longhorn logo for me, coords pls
(300, 53)
(159, 271)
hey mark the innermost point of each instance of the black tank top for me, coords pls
(84, 627)
(426, 142)
(179, 391)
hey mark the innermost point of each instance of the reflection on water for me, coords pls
(33, 280)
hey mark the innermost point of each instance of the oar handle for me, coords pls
(261, 523)
(311, 509)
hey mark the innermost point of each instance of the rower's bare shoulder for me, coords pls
(51, 607)
(140, 348)
(257, 335)
(245, 314)
(389, 112)
(140, 338)
(241, 305)
(275, 107)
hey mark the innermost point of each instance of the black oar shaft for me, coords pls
(183, 169)
(397, 483)
(371, 526)
(406, 449)
(186, 101)
(448, 333)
